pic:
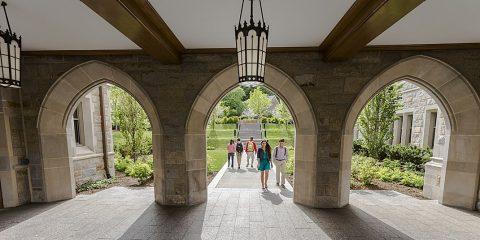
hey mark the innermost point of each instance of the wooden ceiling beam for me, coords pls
(363, 22)
(140, 22)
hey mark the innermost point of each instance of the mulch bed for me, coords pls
(122, 180)
(379, 185)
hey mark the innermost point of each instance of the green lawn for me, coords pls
(276, 132)
(216, 159)
(219, 137)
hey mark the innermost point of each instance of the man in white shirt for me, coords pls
(280, 156)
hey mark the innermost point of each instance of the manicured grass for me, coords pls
(276, 132)
(216, 159)
(219, 137)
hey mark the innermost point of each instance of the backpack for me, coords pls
(239, 147)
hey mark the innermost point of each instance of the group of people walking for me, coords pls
(265, 158)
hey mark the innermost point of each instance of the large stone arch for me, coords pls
(302, 112)
(460, 102)
(52, 123)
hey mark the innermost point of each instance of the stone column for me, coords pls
(12, 149)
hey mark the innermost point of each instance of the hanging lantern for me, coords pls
(10, 46)
(252, 41)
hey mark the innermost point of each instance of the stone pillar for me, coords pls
(12, 150)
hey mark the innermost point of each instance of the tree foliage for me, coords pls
(283, 113)
(233, 102)
(259, 102)
(132, 120)
(376, 119)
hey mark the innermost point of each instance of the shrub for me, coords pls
(140, 170)
(412, 179)
(387, 174)
(391, 164)
(227, 120)
(121, 164)
(410, 154)
(358, 147)
(364, 169)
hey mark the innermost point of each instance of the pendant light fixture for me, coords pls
(251, 41)
(10, 46)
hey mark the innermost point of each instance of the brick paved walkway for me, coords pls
(236, 213)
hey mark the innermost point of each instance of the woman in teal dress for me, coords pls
(264, 157)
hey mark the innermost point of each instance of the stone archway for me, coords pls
(460, 173)
(305, 141)
(52, 123)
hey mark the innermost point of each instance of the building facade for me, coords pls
(90, 126)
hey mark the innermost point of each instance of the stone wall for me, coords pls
(330, 87)
(418, 102)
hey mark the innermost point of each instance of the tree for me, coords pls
(217, 112)
(376, 119)
(283, 113)
(258, 102)
(132, 120)
(233, 101)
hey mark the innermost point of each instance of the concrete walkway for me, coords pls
(238, 213)
(245, 177)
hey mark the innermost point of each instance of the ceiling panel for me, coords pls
(435, 22)
(210, 23)
(62, 25)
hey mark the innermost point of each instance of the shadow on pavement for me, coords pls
(169, 222)
(10, 217)
(351, 222)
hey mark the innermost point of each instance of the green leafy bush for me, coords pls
(227, 120)
(364, 169)
(387, 174)
(359, 147)
(412, 179)
(391, 164)
(121, 164)
(140, 170)
(410, 154)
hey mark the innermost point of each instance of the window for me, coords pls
(78, 126)
(397, 130)
(432, 129)
(409, 129)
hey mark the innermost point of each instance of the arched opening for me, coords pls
(400, 141)
(58, 145)
(305, 124)
(460, 171)
(247, 115)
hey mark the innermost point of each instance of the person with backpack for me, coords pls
(239, 151)
(231, 153)
(251, 150)
(280, 156)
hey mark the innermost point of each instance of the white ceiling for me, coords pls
(62, 25)
(209, 23)
(436, 21)
(71, 25)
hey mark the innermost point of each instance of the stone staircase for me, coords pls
(250, 129)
